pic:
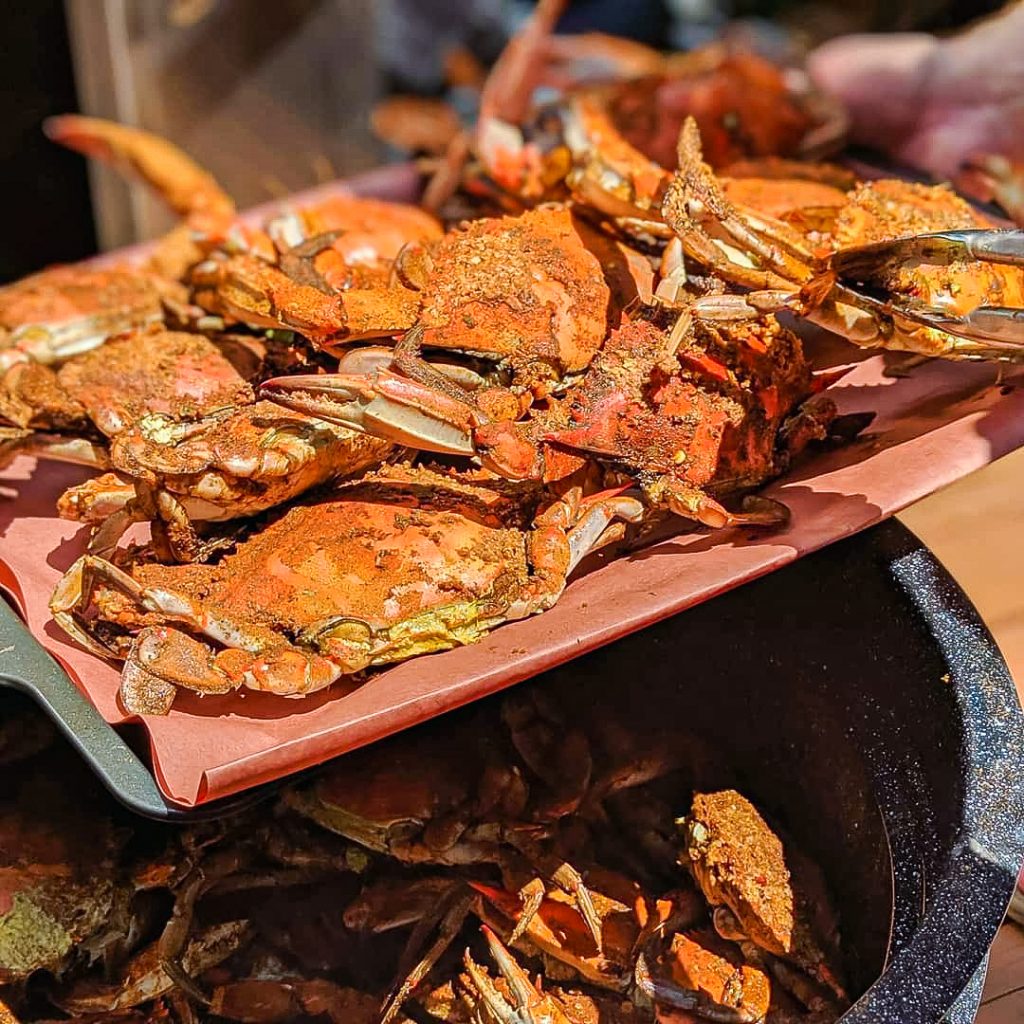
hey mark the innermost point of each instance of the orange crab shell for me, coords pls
(712, 419)
(372, 229)
(68, 293)
(741, 102)
(702, 962)
(527, 289)
(368, 558)
(156, 372)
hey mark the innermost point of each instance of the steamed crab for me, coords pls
(323, 268)
(610, 139)
(965, 302)
(58, 313)
(61, 895)
(746, 873)
(689, 411)
(175, 416)
(101, 393)
(500, 800)
(442, 559)
(532, 296)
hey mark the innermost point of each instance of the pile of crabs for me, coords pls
(363, 430)
(534, 859)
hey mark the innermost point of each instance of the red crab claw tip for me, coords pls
(508, 903)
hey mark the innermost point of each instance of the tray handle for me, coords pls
(26, 666)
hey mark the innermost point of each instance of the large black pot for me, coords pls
(861, 700)
(858, 698)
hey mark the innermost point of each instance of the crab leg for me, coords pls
(77, 450)
(448, 921)
(182, 184)
(694, 195)
(525, 1005)
(74, 592)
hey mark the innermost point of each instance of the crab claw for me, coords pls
(994, 332)
(177, 178)
(383, 404)
(938, 248)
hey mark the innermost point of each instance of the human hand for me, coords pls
(928, 102)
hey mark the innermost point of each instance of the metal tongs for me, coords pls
(1000, 325)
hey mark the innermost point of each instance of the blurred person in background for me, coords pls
(926, 100)
(932, 102)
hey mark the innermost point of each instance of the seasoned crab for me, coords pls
(55, 316)
(690, 412)
(58, 313)
(103, 392)
(612, 141)
(648, 950)
(742, 867)
(965, 303)
(399, 563)
(61, 894)
(213, 470)
(183, 432)
(322, 268)
(528, 294)
(703, 984)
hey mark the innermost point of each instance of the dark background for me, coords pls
(44, 200)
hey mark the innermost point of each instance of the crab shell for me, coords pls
(65, 310)
(739, 863)
(370, 234)
(525, 289)
(386, 794)
(58, 886)
(161, 373)
(383, 571)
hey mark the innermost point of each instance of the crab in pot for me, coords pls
(694, 411)
(744, 870)
(61, 889)
(482, 792)
(398, 563)
(964, 303)
(648, 950)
